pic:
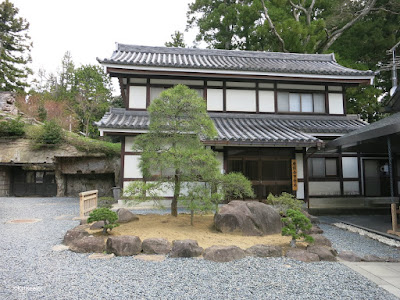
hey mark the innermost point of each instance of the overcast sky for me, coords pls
(90, 28)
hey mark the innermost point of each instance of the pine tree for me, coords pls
(15, 48)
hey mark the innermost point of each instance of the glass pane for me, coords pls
(283, 101)
(331, 166)
(235, 166)
(250, 169)
(319, 103)
(317, 167)
(306, 103)
(294, 102)
(39, 177)
(155, 93)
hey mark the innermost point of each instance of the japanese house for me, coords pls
(274, 113)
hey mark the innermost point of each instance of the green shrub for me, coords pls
(236, 186)
(295, 225)
(106, 215)
(89, 145)
(12, 128)
(284, 202)
(48, 135)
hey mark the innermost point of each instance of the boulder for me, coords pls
(250, 218)
(373, 258)
(125, 216)
(323, 252)
(349, 256)
(320, 240)
(302, 255)
(223, 253)
(264, 251)
(124, 245)
(156, 246)
(185, 248)
(315, 230)
(88, 244)
(75, 234)
(97, 225)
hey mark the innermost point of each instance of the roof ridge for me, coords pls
(221, 52)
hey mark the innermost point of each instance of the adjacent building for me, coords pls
(274, 113)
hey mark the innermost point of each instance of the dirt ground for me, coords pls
(179, 228)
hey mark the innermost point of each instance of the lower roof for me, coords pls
(247, 129)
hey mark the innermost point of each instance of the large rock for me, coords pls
(156, 246)
(320, 240)
(249, 218)
(88, 244)
(373, 258)
(124, 245)
(302, 255)
(223, 253)
(315, 230)
(323, 252)
(264, 251)
(349, 256)
(97, 225)
(185, 248)
(75, 234)
(125, 216)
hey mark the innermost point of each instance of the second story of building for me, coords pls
(236, 81)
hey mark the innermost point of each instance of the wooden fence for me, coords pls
(87, 202)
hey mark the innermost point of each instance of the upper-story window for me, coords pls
(301, 102)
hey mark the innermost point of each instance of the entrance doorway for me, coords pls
(33, 183)
(376, 178)
(269, 170)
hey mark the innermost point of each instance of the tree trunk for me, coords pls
(191, 217)
(293, 243)
(177, 190)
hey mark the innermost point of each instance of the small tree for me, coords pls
(172, 151)
(12, 128)
(236, 186)
(296, 224)
(106, 215)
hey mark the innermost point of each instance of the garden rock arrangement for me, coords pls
(249, 218)
(125, 216)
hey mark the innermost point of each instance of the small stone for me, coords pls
(320, 240)
(88, 244)
(75, 234)
(59, 248)
(315, 230)
(349, 256)
(97, 225)
(324, 253)
(373, 258)
(146, 257)
(223, 253)
(302, 255)
(101, 256)
(185, 248)
(264, 251)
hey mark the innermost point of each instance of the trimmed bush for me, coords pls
(236, 186)
(296, 224)
(284, 202)
(106, 215)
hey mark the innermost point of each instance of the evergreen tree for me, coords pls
(15, 48)
(177, 40)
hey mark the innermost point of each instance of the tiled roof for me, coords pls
(257, 61)
(249, 128)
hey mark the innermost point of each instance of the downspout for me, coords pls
(393, 205)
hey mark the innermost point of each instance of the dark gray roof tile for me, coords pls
(258, 61)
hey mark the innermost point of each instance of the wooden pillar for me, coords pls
(393, 206)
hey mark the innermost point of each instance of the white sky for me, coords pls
(90, 28)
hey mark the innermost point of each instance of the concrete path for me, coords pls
(385, 275)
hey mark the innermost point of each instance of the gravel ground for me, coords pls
(361, 245)
(29, 269)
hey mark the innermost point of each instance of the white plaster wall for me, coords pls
(129, 143)
(300, 190)
(176, 81)
(301, 87)
(335, 103)
(220, 158)
(241, 100)
(266, 101)
(328, 188)
(131, 166)
(300, 169)
(215, 99)
(350, 167)
(137, 97)
(351, 188)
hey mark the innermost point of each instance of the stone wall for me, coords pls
(4, 181)
(76, 183)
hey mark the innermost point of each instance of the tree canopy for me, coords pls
(15, 48)
(172, 152)
(177, 40)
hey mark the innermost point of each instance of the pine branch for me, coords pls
(271, 25)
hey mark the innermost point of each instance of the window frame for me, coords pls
(325, 176)
(301, 96)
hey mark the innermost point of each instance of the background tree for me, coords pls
(177, 40)
(172, 152)
(15, 49)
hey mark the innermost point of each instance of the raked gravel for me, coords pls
(30, 269)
